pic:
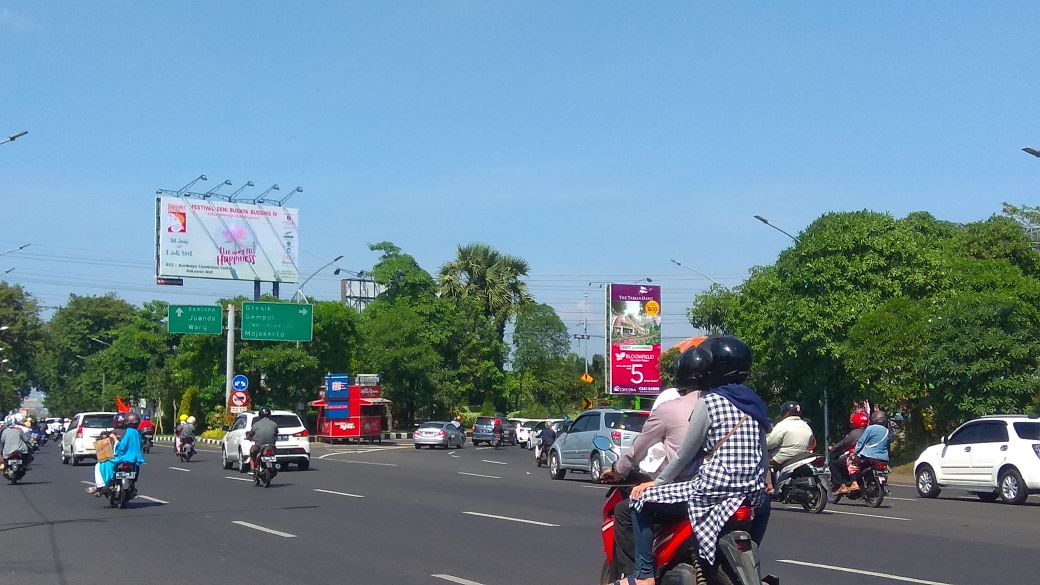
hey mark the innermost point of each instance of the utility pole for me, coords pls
(584, 336)
(229, 368)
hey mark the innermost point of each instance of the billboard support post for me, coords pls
(274, 289)
(229, 367)
(256, 290)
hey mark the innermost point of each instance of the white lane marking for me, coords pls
(479, 475)
(867, 515)
(262, 529)
(535, 522)
(495, 462)
(597, 487)
(338, 493)
(366, 462)
(179, 469)
(88, 482)
(151, 499)
(237, 478)
(454, 579)
(901, 499)
(862, 572)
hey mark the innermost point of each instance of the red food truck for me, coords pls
(351, 412)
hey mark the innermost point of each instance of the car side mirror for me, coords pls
(943, 439)
(225, 428)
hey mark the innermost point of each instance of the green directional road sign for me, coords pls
(277, 322)
(195, 319)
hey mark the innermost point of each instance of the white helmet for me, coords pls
(19, 418)
(191, 420)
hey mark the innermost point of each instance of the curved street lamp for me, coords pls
(14, 137)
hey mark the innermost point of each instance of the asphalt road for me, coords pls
(393, 515)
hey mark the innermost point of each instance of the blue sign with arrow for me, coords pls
(240, 383)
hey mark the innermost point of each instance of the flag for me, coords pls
(120, 406)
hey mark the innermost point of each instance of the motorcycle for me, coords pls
(186, 449)
(267, 466)
(14, 468)
(123, 486)
(542, 454)
(872, 480)
(34, 443)
(675, 546)
(803, 480)
(496, 440)
(146, 442)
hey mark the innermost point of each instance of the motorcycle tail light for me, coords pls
(268, 452)
(124, 467)
(744, 514)
(819, 461)
(881, 467)
(616, 437)
(497, 422)
(15, 455)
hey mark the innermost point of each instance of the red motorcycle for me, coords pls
(675, 550)
(872, 480)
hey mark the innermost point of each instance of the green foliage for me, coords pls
(189, 405)
(215, 434)
(488, 409)
(711, 310)
(22, 343)
(216, 418)
(493, 280)
(535, 411)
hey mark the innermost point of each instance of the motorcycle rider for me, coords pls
(147, 430)
(127, 450)
(840, 479)
(790, 437)
(546, 437)
(667, 425)
(873, 444)
(11, 440)
(186, 430)
(177, 433)
(263, 432)
(730, 424)
(497, 432)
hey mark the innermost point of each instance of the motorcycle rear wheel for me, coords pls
(873, 494)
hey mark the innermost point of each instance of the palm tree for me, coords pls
(492, 280)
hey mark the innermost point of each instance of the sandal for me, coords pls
(92, 490)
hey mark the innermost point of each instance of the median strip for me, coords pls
(338, 493)
(862, 572)
(535, 522)
(262, 529)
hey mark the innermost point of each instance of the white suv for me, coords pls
(993, 456)
(78, 442)
(292, 446)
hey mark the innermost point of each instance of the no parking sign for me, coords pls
(239, 402)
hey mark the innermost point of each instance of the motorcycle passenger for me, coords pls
(730, 424)
(177, 430)
(127, 450)
(146, 427)
(873, 444)
(840, 479)
(12, 440)
(790, 437)
(667, 426)
(263, 432)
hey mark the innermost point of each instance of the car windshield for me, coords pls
(431, 425)
(626, 421)
(530, 424)
(97, 421)
(1029, 431)
(286, 420)
(485, 421)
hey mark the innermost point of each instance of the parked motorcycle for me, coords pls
(14, 468)
(675, 546)
(872, 480)
(186, 449)
(803, 480)
(123, 486)
(267, 466)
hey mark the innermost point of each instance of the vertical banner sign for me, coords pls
(633, 339)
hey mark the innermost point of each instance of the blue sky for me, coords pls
(596, 140)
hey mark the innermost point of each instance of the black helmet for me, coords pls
(264, 412)
(790, 407)
(730, 361)
(119, 421)
(690, 369)
(878, 417)
(132, 420)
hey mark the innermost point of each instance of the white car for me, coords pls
(78, 442)
(993, 456)
(523, 431)
(292, 446)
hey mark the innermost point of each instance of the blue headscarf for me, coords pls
(748, 402)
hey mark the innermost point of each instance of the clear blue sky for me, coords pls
(596, 140)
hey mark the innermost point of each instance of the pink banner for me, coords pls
(634, 339)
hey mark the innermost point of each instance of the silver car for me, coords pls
(438, 434)
(574, 451)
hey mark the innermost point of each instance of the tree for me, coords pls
(493, 280)
(542, 358)
(711, 310)
(21, 341)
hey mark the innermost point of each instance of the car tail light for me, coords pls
(79, 433)
(497, 422)
(302, 434)
(441, 433)
(616, 437)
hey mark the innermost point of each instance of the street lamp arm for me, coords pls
(681, 265)
(300, 288)
(766, 221)
(22, 247)
(14, 137)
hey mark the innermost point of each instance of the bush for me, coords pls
(216, 419)
(468, 419)
(190, 405)
(488, 409)
(216, 434)
(535, 411)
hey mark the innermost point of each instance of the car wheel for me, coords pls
(64, 457)
(418, 446)
(1012, 489)
(243, 463)
(223, 457)
(303, 464)
(595, 467)
(988, 496)
(555, 470)
(927, 487)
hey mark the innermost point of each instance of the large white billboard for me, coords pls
(203, 238)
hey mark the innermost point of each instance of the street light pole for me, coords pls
(300, 289)
(766, 221)
(694, 270)
(1031, 151)
(14, 137)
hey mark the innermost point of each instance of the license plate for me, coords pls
(283, 437)
(269, 459)
(126, 475)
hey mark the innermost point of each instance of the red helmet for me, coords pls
(859, 420)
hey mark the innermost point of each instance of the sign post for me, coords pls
(195, 319)
(277, 322)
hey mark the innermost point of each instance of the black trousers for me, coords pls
(624, 540)
(840, 470)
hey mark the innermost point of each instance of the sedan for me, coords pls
(438, 434)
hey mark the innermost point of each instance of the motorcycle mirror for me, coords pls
(602, 443)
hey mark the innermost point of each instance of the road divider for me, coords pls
(862, 572)
(262, 529)
(479, 475)
(510, 519)
(338, 493)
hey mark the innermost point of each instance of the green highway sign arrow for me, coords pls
(195, 319)
(277, 322)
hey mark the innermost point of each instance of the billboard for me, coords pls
(203, 238)
(633, 339)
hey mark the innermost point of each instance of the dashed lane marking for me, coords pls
(495, 462)
(867, 515)
(179, 469)
(535, 522)
(262, 529)
(366, 462)
(454, 579)
(237, 478)
(151, 499)
(862, 572)
(479, 475)
(338, 493)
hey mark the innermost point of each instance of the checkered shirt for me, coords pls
(733, 474)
